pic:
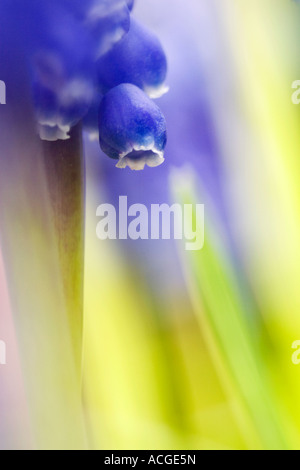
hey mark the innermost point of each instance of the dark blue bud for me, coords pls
(56, 113)
(132, 128)
(138, 59)
(62, 71)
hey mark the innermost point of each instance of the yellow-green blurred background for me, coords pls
(181, 350)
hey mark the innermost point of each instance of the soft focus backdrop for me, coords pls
(186, 350)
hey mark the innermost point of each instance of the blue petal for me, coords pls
(107, 21)
(60, 111)
(62, 70)
(62, 40)
(138, 59)
(132, 128)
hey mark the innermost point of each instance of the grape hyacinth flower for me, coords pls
(50, 58)
(78, 51)
(107, 21)
(138, 59)
(63, 64)
(132, 128)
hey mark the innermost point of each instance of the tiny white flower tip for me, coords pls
(155, 93)
(135, 135)
(51, 133)
(150, 158)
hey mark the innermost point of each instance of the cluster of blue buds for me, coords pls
(91, 61)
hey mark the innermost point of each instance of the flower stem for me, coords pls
(64, 164)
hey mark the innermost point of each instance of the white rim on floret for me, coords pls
(150, 156)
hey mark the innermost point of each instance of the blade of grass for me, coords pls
(222, 314)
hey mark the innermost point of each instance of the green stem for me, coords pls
(64, 164)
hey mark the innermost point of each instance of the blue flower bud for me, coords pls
(56, 113)
(138, 59)
(107, 21)
(74, 35)
(132, 128)
(62, 41)
(62, 76)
